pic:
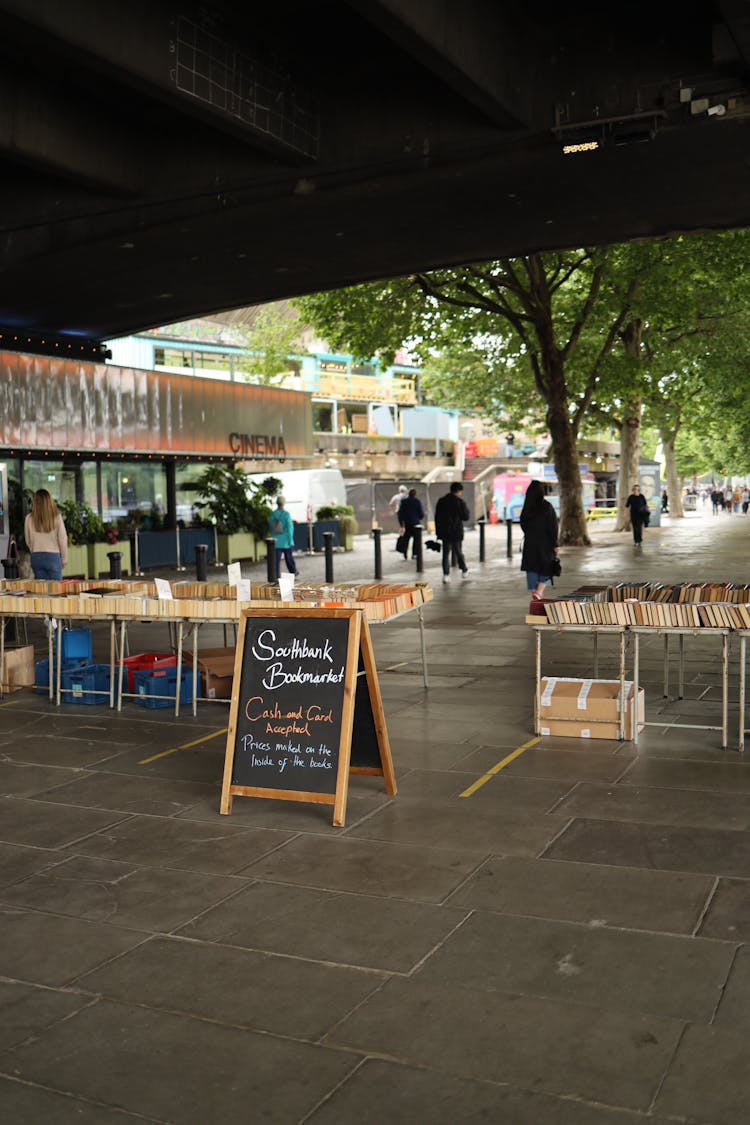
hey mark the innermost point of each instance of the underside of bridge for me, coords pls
(161, 162)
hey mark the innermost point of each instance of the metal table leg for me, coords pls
(724, 690)
(179, 670)
(636, 673)
(666, 665)
(621, 724)
(121, 666)
(538, 683)
(423, 645)
(681, 681)
(743, 656)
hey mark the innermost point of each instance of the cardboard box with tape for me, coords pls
(586, 708)
(216, 666)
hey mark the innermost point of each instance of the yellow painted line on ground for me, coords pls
(496, 769)
(10, 703)
(185, 746)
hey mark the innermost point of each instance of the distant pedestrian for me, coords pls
(46, 537)
(281, 527)
(717, 501)
(395, 501)
(410, 514)
(637, 505)
(664, 501)
(451, 513)
(539, 526)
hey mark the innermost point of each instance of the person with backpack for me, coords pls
(281, 527)
(451, 513)
(410, 514)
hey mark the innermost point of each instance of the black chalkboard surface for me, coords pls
(297, 697)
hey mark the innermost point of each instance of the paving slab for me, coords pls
(420, 874)
(346, 929)
(465, 825)
(179, 1069)
(660, 806)
(121, 792)
(19, 779)
(588, 893)
(18, 862)
(27, 1009)
(49, 826)
(619, 970)
(727, 776)
(707, 1079)
(29, 1105)
(708, 850)
(46, 949)
(191, 845)
(614, 1058)
(241, 987)
(101, 890)
(381, 1091)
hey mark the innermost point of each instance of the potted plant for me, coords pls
(347, 524)
(238, 508)
(87, 542)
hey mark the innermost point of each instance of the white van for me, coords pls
(306, 490)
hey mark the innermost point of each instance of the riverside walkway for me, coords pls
(568, 945)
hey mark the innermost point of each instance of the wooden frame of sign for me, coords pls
(306, 708)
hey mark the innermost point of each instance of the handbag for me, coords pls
(556, 566)
(401, 543)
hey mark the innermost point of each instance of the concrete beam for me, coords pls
(52, 129)
(469, 46)
(192, 60)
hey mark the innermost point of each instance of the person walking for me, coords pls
(281, 527)
(410, 514)
(451, 513)
(637, 506)
(46, 537)
(539, 526)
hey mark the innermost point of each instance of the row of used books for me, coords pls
(665, 592)
(214, 601)
(711, 615)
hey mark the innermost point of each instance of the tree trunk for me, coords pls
(573, 527)
(630, 459)
(674, 491)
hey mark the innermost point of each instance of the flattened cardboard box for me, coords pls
(573, 708)
(18, 668)
(217, 671)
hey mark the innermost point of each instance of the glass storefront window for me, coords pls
(57, 478)
(133, 489)
(187, 489)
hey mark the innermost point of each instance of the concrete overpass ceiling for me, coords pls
(159, 163)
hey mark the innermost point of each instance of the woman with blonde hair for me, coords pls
(46, 538)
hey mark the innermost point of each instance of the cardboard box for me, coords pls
(217, 671)
(19, 670)
(586, 708)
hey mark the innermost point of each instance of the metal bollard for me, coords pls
(481, 522)
(115, 564)
(376, 533)
(201, 562)
(418, 555)
(509, 529)
(271, 574)
(328, 545)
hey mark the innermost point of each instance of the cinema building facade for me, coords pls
(129, 441)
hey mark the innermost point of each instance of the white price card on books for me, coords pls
(234, 575)
(163, 589)
(286, 586)
(243, 589)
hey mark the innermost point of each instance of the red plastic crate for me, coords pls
(145, 661)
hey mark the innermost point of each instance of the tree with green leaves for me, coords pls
(272, 345)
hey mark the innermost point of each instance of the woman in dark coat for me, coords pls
(539, 526)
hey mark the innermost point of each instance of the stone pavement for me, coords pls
(565, 947)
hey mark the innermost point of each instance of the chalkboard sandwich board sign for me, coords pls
(305, 684)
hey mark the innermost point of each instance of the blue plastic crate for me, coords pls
(162, 682)
(41, 684)
(76, 644)
(87, 684)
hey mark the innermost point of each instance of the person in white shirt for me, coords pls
(46, 537)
